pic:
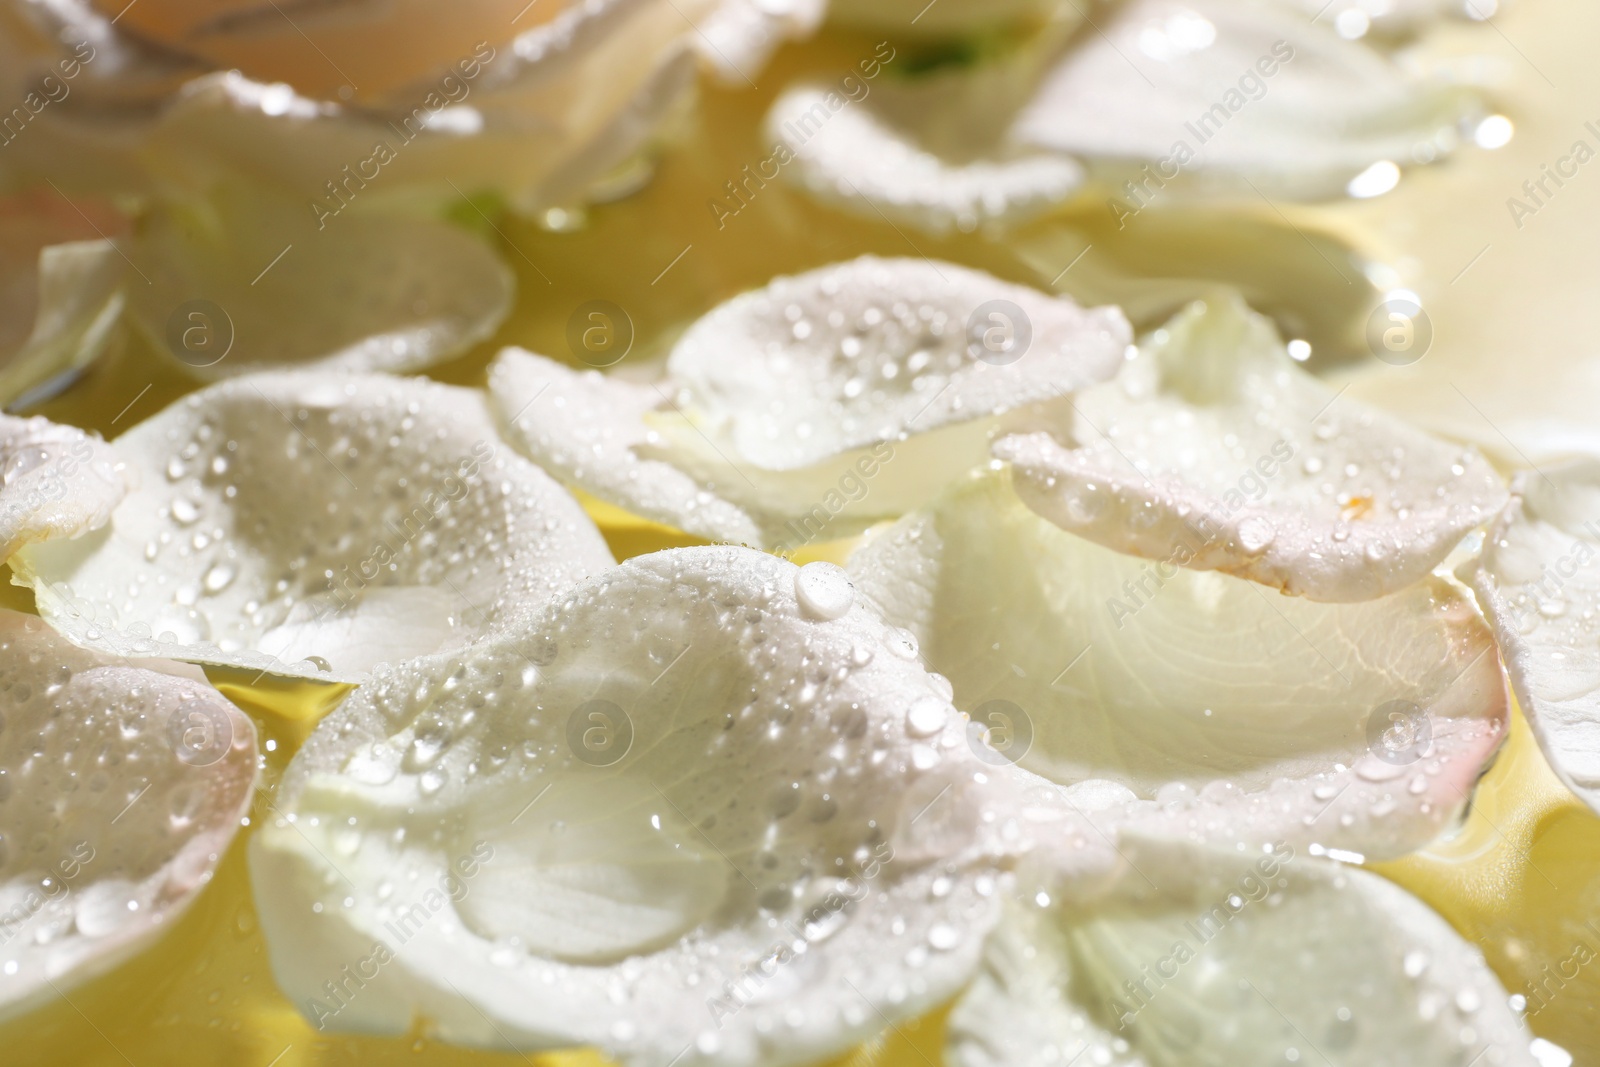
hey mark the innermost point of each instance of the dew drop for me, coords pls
(823, 590)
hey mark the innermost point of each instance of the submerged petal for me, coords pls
(411, 527)
(55, 481)
(1539, 585)
(1222, 712)
(1214, 451)
(699, 812)
(123, 786)
(1211, 959)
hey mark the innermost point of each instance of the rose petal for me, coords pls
(696, 761)
(1214, 451)
(408, 527)
(738, 37)
(819, 404)
(123, 785)
(1206, 958)
(369, 293)
(55, 481)
(860, 160)
(1539, 587)
(1236, 92)
(1233, 715)
(586, 426)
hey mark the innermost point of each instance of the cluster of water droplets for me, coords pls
(106, 823)
(393, 486)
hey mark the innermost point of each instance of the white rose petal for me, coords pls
(55, 481)
(1214, 450)
(368, 293)
(1231, 714)
(1210, 959)
(314, 525)
(819, 404)
(122, 785)
(1255, 95)
(677, 817)
(1539, 585)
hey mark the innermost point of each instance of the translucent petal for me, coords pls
(1539, 586)
(1208, 959)
(702, 811)
(1234, 92)
(368, 293)
(55, 481)
(122, 786)
(819, 404)
(60, 294)
(315, 525)
(1231, 714)
(1213, 450)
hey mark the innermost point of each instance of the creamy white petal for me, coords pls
(856, 157)
(869, 350)
(315, 525)
(585, 426)
(1205, 959)
(55, 481)
(1212, 449)
(1232, 714)
(60, 296)
(250, 281)
(121, 785)
(738, 37)
(1165, 73)
(822, 403)
(1540, 586)
(656, 801)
